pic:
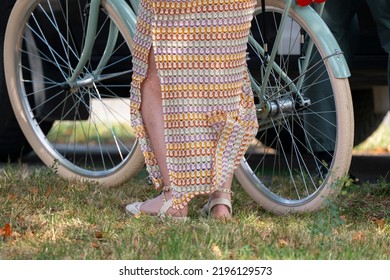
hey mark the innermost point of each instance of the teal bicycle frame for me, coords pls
(327, 42)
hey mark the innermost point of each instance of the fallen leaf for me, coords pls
(48, 192)
(266, 233)
(95, 245)
(283, 242)
(7, 230)
(137, 216)
(136, 241)
(216, 251)
(232, 255)
(15, 234)
(11, 196)
(29, 234)
(34, 190)
(99, 234)
(380, 223)
(343, 218)
(358, 236)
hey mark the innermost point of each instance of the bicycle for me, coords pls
(57, 79)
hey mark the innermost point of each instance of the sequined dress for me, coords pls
(208, 110)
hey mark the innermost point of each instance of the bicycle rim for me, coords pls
(302, 151)
(82, 130)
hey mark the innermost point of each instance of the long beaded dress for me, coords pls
(208, 109)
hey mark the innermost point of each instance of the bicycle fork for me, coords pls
(93, 15)
(279, 104)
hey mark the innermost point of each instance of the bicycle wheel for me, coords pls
(304, 143)
(81, 130)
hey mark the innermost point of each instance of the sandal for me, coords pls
(134, 209)
(208, 207)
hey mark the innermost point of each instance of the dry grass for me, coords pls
(46, 217)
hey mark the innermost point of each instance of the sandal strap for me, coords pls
(166, 205)
(164, 190)
(164, 209)
(167, 188)
(219, 201)
(224, 190)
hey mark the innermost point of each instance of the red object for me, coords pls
(308, 2)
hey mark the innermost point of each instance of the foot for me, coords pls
(219, 205)
(158, 206)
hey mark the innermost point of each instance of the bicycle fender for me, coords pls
(326, 40)
(126, 13)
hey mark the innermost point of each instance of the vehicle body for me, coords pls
(368, 83)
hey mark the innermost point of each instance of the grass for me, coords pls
(378, 142)
(87, 131)
(43, 216)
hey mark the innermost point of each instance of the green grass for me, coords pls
(56, 219)
(378, 142)
(89, 132)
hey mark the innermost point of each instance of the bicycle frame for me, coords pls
(332, 50)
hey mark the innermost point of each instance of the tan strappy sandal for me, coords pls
(208, 207)
(134, 209)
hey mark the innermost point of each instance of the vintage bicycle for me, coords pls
(68, 71)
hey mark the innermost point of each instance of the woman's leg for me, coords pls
(152, 115)
(221, 211)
